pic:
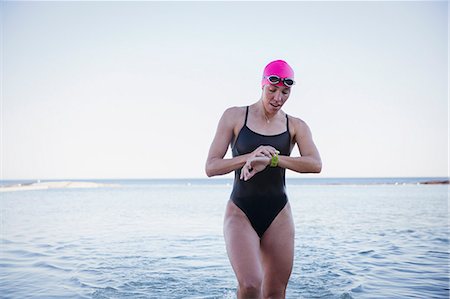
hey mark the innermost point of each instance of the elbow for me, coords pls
(212, 168)
(317, 167)
(313, 167)
(209, 171)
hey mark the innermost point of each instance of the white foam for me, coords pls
(54, 185)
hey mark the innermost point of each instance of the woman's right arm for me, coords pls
(215, 163)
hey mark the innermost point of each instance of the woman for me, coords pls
(258, 224)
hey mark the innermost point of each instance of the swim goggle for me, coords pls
(274, 79)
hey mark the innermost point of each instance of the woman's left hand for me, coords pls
(253, 166)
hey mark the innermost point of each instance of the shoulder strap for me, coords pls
(246, 115)
(287, 122)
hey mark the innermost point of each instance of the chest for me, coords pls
(248, 140)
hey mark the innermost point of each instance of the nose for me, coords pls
(278, 96)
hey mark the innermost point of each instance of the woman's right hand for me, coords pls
(264, 151)
(258, 161)
(253, 166)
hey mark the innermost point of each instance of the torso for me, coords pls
(264, 195)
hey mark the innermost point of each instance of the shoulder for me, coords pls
(234, 111)
(298, 126)
(232, 114)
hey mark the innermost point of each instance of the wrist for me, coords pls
(274, 160)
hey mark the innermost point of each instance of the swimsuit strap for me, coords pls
(287, 122)
(246, 115)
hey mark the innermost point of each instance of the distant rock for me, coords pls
(436, 182)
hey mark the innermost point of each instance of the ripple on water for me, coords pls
(366, 252)
(358, 289)
(443, 240)
(20, 253)
(48, 266)
(345, 296)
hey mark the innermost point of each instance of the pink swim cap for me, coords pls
(279, 68)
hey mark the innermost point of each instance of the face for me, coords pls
(274, 97)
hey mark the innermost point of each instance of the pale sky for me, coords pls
(135, 90)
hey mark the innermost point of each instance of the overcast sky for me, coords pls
(135, 90)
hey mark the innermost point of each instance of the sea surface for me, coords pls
(355, 238)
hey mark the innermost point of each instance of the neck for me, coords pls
(267, 117)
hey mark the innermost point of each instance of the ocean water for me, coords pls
(163, 239)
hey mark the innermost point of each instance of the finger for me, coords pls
(266, 153)
(249, 171)
(249, 175)
(273, 152)
(242, 172)
(270, 150)
(246, 169)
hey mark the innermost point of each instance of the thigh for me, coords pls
(277, 247)
(243, 245)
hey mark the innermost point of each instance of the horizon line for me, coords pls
(229, 178)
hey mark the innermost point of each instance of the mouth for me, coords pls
(275, 105)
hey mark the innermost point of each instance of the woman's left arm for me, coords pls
(309, 160)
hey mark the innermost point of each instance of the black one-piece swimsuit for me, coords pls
(263, 196)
